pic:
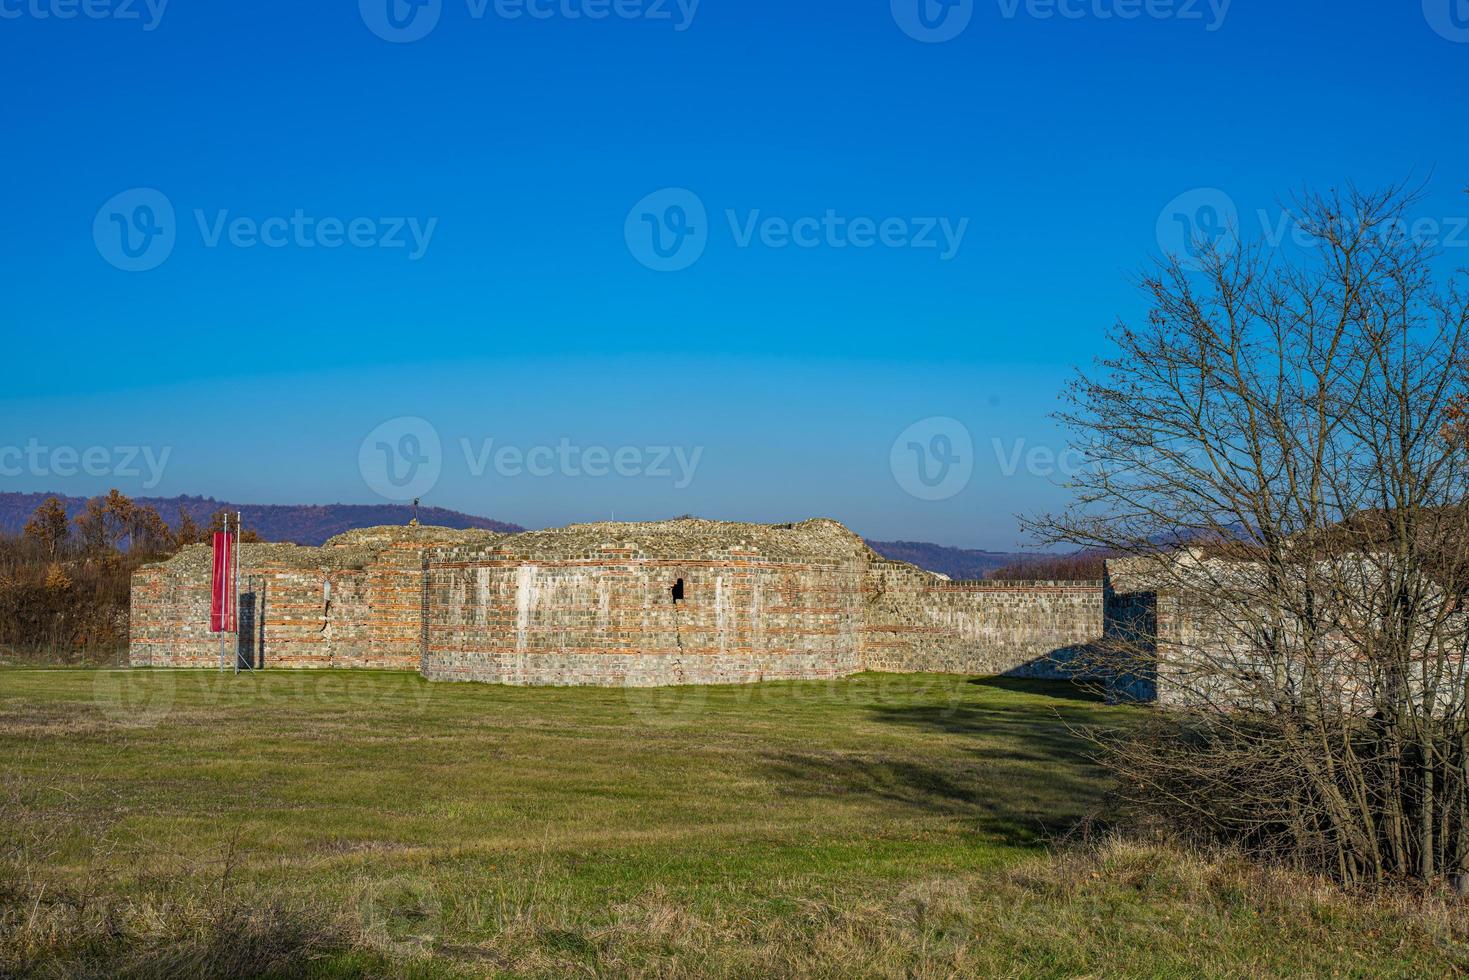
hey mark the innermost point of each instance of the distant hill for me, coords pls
(957, 563)
(312, 524)
(300, 523)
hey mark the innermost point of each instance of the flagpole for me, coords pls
(235, 588)
(223, 590)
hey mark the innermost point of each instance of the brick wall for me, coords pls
(916, 622)
(593, 604)
(357, 602)
(613, 620)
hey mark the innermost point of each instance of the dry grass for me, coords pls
(372, 825)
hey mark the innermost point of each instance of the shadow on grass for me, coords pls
(1017, 768)
(1016, 811)
(1059, 690)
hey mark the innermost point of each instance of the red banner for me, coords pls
(222, 589)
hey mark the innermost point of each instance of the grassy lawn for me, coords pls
(345, 824)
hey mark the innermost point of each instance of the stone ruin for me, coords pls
(629, 605)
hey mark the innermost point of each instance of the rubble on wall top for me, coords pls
(351, 550)
(386, 536)
(821, 540)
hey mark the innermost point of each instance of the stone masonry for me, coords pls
(635, 605)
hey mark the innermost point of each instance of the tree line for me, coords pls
(65, 581)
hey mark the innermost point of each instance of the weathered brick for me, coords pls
(594, 604)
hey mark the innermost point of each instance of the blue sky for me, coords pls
(872, 370)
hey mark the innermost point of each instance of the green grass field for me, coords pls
(179, 823)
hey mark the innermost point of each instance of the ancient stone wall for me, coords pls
(356, 602)
(598, 605)
(1130, 632)
(918, 622)
(602, 604)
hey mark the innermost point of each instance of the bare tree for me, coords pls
(49, 526)
(1278, 455)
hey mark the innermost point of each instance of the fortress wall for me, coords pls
(168, 620)
(1131, 626)
(593, 604)
(169, 615)
(301, 630)
(611, 619)
(394, 616)
(917, 622)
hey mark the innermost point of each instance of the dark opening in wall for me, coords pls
(678, 592)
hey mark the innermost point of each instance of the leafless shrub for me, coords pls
(1279, 454)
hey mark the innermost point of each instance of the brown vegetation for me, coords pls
(1300, 416)
(1080, 567)
(64, 584)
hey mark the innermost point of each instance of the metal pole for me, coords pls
(235, 588)
(223, 595)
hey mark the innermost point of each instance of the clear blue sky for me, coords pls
(524, 144)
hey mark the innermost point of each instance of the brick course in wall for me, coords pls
(594, 604)
(356, 602)
(1029, 629)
